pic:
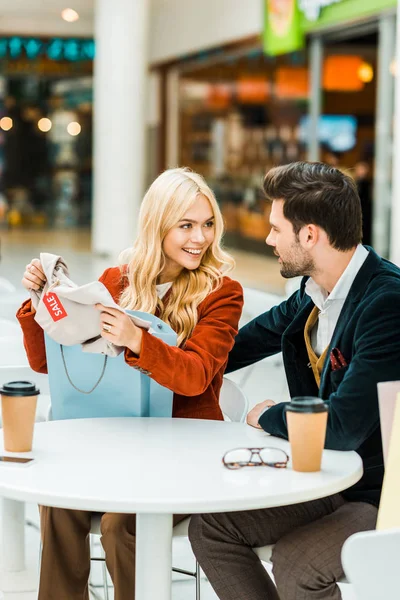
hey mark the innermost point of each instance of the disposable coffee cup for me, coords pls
(18, 408)
(306, 420)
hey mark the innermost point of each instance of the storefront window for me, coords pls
(238, 119)
(45, 132)
(347, 126)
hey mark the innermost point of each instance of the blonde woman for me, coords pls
(177, 270)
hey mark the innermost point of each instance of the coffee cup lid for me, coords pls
(306, 404)
(19, 388)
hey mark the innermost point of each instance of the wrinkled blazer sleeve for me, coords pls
(353, 407)
(33, 334)
(189, 370)
(262, 337)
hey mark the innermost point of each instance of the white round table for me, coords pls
(157, 467)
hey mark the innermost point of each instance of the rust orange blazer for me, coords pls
(194, 372)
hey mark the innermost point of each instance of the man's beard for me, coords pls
(304, 265)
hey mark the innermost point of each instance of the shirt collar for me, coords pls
(163, 288)
(341, 290)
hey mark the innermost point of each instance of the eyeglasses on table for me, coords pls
(255, 457)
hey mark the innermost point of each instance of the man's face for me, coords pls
(295, 260)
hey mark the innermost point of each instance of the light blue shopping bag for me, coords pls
(84, 385)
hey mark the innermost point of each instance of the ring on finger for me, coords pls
(107, 328)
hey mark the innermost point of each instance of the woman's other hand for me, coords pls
(34, 277)
(117, 327)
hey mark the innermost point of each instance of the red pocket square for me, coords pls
(337, 359)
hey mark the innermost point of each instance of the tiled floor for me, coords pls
(267, 379)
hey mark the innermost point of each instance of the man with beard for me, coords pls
(339, 335)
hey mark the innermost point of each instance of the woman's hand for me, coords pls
(255, 413)
(118, 328)
(34, 277)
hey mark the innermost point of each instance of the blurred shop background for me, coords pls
(97, 98)
(46, 131)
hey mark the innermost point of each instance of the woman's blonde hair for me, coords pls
(166, 201)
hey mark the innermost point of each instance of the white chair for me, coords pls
(234, 406)
(370, 560)
(233, 402)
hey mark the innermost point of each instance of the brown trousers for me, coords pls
(308, 539)
(65, 564)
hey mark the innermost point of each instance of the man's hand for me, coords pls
(254, 414)
(117, 327)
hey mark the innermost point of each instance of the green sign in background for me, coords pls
(347, 10)
(290, 37)
(340, 12)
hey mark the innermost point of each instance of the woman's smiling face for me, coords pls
(186, 243)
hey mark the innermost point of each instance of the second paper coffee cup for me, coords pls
(306, 417)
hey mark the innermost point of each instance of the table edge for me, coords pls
(171, 506)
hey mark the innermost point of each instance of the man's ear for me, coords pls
(309, 236)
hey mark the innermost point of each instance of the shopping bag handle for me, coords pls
(72, 383)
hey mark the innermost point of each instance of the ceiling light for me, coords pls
(44, 124)
(70, 15)
(74, 128)
(6, 123)
(365, 72)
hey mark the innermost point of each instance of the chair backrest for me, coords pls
(233, 402)
(370, 561)
(256, 303)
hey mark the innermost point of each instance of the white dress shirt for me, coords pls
(330, 305)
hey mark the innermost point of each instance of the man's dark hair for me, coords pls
(319, 194)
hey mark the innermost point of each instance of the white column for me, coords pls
(315, 70)
(395, 214)
(120, 84)
(383, 134)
